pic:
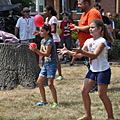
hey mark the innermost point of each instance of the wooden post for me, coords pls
(118, 7)
(57, 7)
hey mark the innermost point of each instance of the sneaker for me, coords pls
(59, 78)
(71, 64)
(54, 105)
(94, 88)
(41, 103)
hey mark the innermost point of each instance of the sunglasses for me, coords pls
(26, 11)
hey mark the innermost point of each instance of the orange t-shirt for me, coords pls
(85, 20)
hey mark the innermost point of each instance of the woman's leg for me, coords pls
(86, 87)
(59, 67)
(41, 87)
(73, 59)
(52, 88)
(102, 90)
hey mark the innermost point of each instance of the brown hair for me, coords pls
(47, 27)
(66, 13)
(97, 4)
(89, 1)
(106, 33)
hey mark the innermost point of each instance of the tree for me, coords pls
(25, 3)
(18, 66)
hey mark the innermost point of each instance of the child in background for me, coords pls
(48, 50)
(96, 49)
(66, 36)
(51, 19)
(109, 15)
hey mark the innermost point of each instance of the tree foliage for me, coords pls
(25, 3)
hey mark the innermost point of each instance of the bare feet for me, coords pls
(85, 118)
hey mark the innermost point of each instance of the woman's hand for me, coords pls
(63, 51)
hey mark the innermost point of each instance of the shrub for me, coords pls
(114, 54)
(117, 25)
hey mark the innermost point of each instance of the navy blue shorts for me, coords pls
(102, 78)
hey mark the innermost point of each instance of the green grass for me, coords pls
(19, 104)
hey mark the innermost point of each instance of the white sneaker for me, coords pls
(59, 78)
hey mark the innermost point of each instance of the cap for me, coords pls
(25, 9)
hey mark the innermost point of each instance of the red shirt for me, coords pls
(66, 32)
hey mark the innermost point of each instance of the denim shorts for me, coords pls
(49, 70)
(102, 78)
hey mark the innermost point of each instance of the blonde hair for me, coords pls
(106, 33)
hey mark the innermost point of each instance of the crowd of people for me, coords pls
(95, 33)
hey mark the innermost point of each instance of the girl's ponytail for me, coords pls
(107, 35)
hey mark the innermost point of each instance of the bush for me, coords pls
(114, 54)
(117, 25)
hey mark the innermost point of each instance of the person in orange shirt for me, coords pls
(89, 14)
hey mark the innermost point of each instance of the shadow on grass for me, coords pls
(66, 104)
(113, 89)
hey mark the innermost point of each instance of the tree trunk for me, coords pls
(18, 66)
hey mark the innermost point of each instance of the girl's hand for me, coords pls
(63, 51)
(78, 50)
(32, 48)
(35, 33)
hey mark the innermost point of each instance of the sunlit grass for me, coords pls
(19, 104)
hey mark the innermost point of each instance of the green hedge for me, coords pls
(114, 54)
(117, 25)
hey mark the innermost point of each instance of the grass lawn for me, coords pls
(19, 104)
